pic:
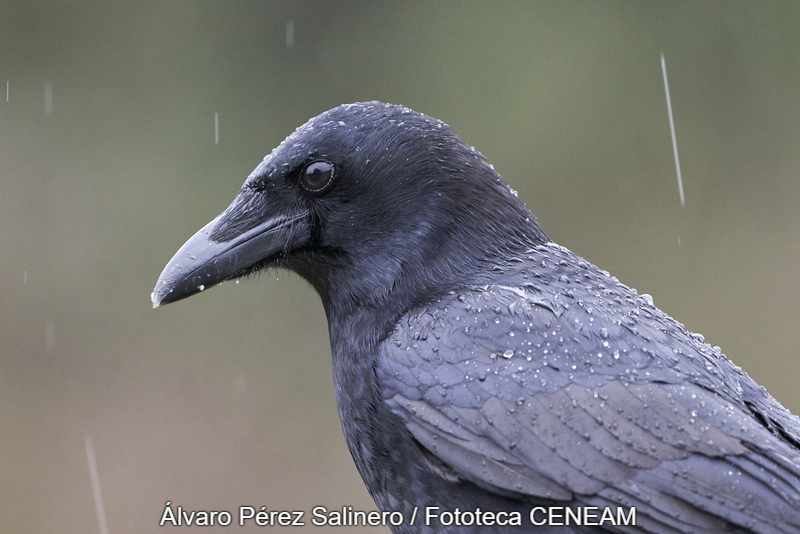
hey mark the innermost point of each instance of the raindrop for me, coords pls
(48, 99)
(289, 34)
(672, 131)
(95, 478)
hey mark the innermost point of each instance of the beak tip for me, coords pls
(163, 293)
(156, 298)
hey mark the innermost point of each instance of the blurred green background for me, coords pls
(108, 163)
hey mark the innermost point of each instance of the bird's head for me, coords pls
(360, 200)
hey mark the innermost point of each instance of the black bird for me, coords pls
(484, 375)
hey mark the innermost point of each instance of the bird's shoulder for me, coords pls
(542, 322)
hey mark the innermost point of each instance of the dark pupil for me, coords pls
(317, 175)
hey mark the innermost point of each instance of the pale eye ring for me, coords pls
(316, 176)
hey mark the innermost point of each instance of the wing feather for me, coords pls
(530, 396)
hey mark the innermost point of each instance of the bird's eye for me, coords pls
(317, 176)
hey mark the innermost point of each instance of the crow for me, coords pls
(488, 379)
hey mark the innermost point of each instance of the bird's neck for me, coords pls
(355, 349)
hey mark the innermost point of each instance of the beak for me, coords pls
(203, 262)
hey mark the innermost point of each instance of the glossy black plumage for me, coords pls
(479, 365)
